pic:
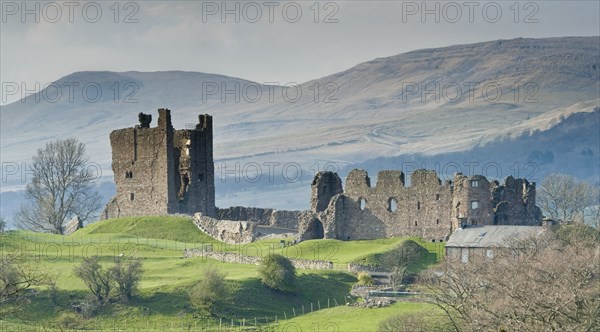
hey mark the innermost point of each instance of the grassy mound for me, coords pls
(413, 253)
(180, 229)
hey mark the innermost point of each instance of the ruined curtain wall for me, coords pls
(391, 209)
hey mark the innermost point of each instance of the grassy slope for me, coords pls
(345, 318)
(159, 242)
(333, 250)
(428, 253)
(179, 229)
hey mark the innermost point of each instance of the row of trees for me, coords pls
(562, 197)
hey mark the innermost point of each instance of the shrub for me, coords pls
(277, 272)
(209, 291)
(15, 280)
(88, 307)
(69, 321)
(364, 278)
(95, 278)
(127, 276)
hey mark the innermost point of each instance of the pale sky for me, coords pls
(274, 41)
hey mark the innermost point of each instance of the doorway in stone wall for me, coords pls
(315, 229)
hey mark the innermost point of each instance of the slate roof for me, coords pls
(490, 236)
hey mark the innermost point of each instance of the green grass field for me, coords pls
(346, 318)
(162, 303)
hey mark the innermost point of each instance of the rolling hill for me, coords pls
(506, 99)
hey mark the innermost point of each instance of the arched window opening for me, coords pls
(362, 203)
(392, 205)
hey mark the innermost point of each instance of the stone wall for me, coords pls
(427, 208)
(194, 168)
(386, 210)
(228, 231)
(357, 268)
(514, 203)
(230, 257)
(471, 203)
(263, 217)
(72, 226)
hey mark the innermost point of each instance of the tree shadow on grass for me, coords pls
(252, 299)
(164, 303)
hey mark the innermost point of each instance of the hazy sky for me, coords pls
(274, 41)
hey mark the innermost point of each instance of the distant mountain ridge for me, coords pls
(377, 109)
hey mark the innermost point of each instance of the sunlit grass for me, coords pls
(162, 302)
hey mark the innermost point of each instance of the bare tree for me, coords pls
(397, 277)
(562, 197)
(551, 283)
(61, 188)
(594, 208)
(595, 216)
(422, 321)
(127, 275)
(15, 279)
(95, 278)
(397, 261)
(2, 225)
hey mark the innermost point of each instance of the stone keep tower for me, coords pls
(160, 170)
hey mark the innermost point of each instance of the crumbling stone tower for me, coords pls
(324, 186)
(160, 170)
(471, 203)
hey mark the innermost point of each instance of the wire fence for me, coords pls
(259, 323)
(109, 239)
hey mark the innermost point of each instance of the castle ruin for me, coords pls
(160, 170)
(427, 208)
